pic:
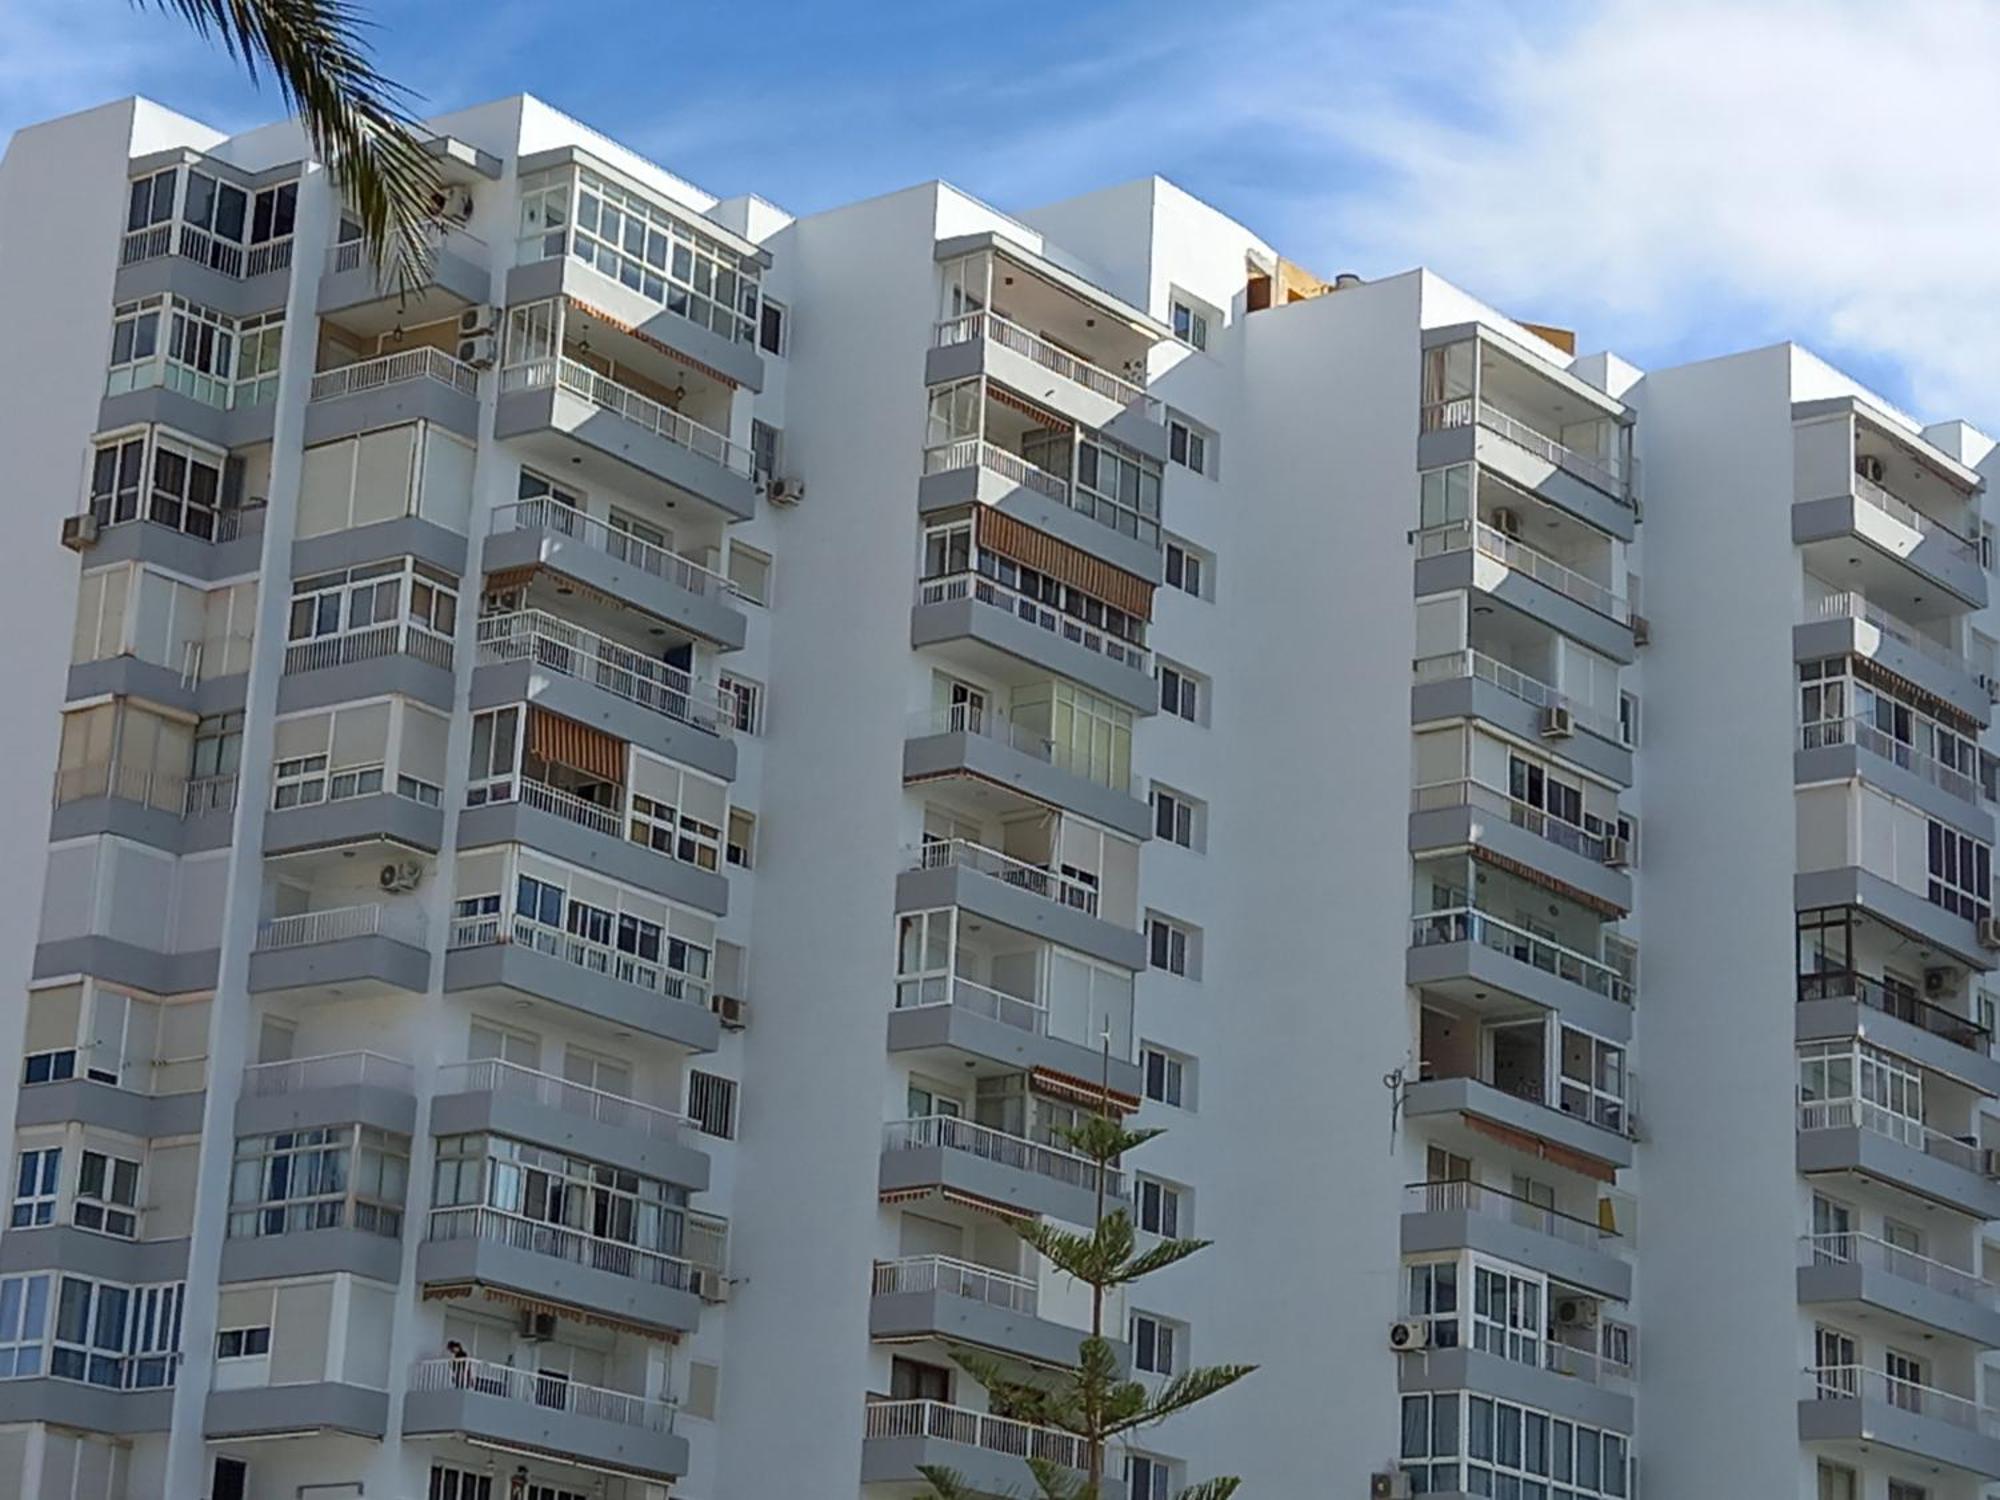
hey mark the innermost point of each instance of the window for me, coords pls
(107, 1195)
(741, 847)
(230, 1480)
(1457, 1443)
(1149, 1478)
(274, 213)
(1836, 1364)
(1173, 946)
(1902, 1489)
(1961, 875)
(546, 1186)
(1190, 320)
(1188, 445)
(1168, 1076)
(116, 471)
(767, 448)
(773, 324)
(1181, 692)
(1087, 736)
(121, 1337)
(49, 1067)
(1114, 484)
(242, 1343)
(1904, 1375)
(495, 742)
(913, 1380)
(711, 1103)
(1180, 819)
(750, 573)
(676, 812)
(743, 700)
(1507, 1314)
(35, 1177)
(371, 596)
(1156, 1344)
(1160, 1207)
(24, 1325)
(448, 1483)
(1187, 569)
(152, 199)
(299, 782)
(1431, 1296)
(341, 1177)
(1593, 1080)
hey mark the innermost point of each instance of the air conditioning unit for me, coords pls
(1390, 1484)
(1507, 521)
(453, 203)
(786, 491)
(477, 320)
(1989, 932)
(402, 875)
(734, 1013)
(1618, 852)
(1937, 982)
(711, 1285)
(1642, 631)
(478, 351)
(1408, 1334)
(538, 1327)
(1557, 723)
(1870, 468)
(1576, 1312)
(80, 531)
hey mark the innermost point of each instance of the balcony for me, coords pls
(652, 580)
(409, 385)
(1576, 1384)
(1021, 639)
(1852, 1404)
(126, 1396)
(1464, 1093)
(1858, 1273)
(504, 1406)
(1853, 1135)
(487, 1095)
(977, 1024)
(1009, 1171)
(1027, 897)
(344, 952)
(335, 1088)
(1459, 1215)
(968, 741)
(565, 405)
(1466, 814)
(1903, 552)
(1842, 1004)
(1460, 951)
(978, 471)
(1845, 622)
(626, 1283)
(990, 1454)
(1851, 749)
(1601, 492)
(400, 656)
(156, 808)
(107, 1089)
(1469, 684)
(389, 817)
(372, 301)
(233, 546)
(1006, 352)
(187, 260)
(1476, 556)
(939, 1296)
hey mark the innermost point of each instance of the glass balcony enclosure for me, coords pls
(1052, 720)
(1849, 1083)
(196, 211)
(1537, 1059)
(1053, 854)
(207, 356)
(1463, 635)
(1466, 507)
(1845, 953)
(1460, 898)
(1490, 382)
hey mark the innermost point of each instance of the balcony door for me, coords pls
(1832, 1231)
(1837, 1362)
(1517, 1054)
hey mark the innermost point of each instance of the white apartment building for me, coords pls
(606, 807)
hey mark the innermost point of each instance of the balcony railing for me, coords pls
(1599, 848)
(1050, 885)
(1463, 411)
(546, 514)
(1870, 493)
(351, 255)
(1060, 362)
(1850, 1114)
(571, 808)
(952, 1133)
(1464, 924)
(1853, 604)
(1883, 746)
(161, 790)
(977, 453)
(1492, 1203)
(492, 1075)
(1897, 1002)
(558, 1242)
(597, 958)
(1518, 557)
(978, 999)
(397, 638)
(622, 401)
(556, 645)
(210, 796)
(191, 243)
(1859, 1383)
(423, 363)
(955, 1278)
(338, 923)
(992, 591)
(1451, 665)
(1904, 1265)
(975, 1429)
(541, 1388)
(296, 1075)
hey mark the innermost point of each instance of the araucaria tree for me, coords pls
(1095, 1401)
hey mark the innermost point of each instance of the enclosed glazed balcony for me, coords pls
(207, 230)
(1045, 750)
(1943, 1429)
(1580, 850)
(1091, 909)
(1466, 1215)
(1523, 679)
(492, 1404)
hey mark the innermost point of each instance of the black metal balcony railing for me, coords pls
(1895, 1000)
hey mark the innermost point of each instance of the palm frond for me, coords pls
(1212, 1489)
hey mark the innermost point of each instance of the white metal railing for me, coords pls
(1860, 1383)
(196, 244)
(1593, 471)
(1011, 335)
(1870, 493)
(1885, 746)
(546, 514)
(473, 1221)
(597, 958)
(1447, 665)
(351, 255)
(102, 778)
(1852, 1113)
(987, 723)
(1465, 924)
(977, 453)
(608, 395)
(1853, 604)
(1594, 1366)
(953, 1133)
(572, 808)
(208, 795)
(975, 1429)
(371, 643)
(337, 923)
(544, 1389)
(1518, 557)
(1493, 1203)
(1597, 847)
(423, 363)
(955, 1278)
(1904, 1265)
(1050, 885)
(557, 645)
(979, 999)
(991, 591)
(492, 1075)
(295, 1075)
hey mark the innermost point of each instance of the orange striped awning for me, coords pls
(462, 1289)
(892, 1196)
(1028, 409)
(565, 742)
(1001, 533)
(649, 341)
(1076, 1090)
(1547, 1150)
(1547, 882)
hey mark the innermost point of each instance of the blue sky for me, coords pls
(1674, 180)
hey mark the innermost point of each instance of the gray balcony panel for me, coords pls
(1011, 1187)
(502, 1113)
(567, 276)
(1003, 631)
(612, 857)
(177, 552)
(1082, 405)
(510, 966)
(128, 964)
(1822, 1020)
(1934, 557)
(895, 1460)
(953, 489)
(1453, 571)
(1593, 1269)
(351, 681)
(63, 1247)
(1843, 636)
(366, 963)
(574, 698)
(407, 536)
(1852, 763)
(922, 1028)
(489, 1263)
(1882, 1422)
(85, 1100)
(238, 428)
(458, 276)
(567, 1435)
(1472, 698)
(422, 400)
(1559, 487)
(1468, 1096)
(1872, 1154)
(314, 1252)
(994, 760)
(129, 677)
(1462, 827)
(520, 413)
(180, 276)
(1853, 886)
(1449, 966)
(271, 1410)
(1010, 906)
(353, 820)
(389, 1109)
(1875, 1287)
(963, 1320)
(85, 1408)
(713, 619)
(121, 818)
(1475, 1370)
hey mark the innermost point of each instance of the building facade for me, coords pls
(613, 795)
